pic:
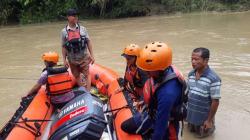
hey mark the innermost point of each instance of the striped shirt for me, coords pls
(200, 95)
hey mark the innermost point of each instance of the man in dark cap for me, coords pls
(77, 49)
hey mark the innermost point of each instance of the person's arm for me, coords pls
(123, 83)
(42, 80)
(213, 109)
(34, 89)
(90, 46)
(64, 51)
(215, 95)
(166, 98)
(64, 54)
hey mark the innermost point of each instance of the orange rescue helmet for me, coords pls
(131, 49)
(50, 57)
(154, 56)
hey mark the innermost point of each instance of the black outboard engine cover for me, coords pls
(81, 118)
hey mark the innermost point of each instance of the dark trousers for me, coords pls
(140, 123)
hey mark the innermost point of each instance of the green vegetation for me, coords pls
(32, 11)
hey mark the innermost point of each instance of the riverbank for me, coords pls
(158, 9)
(26, 11)
(225, 34)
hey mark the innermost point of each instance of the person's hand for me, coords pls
(138, 106)
(207, 124)
(92, 60)
(66, 63)
(24, 97)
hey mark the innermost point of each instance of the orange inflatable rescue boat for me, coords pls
(85, 117)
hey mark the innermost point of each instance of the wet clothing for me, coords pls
(75, 40)
(78, 56)
(166, 97)
(83, 69)
(199, 130)
(59, 98)
(200, 95)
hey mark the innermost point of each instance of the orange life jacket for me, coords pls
(59, 81)
(130, 75)
(132, 78)
(74, 41)
(149, 90)
(150, 87)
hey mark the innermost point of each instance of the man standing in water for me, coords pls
(77, 49)
(204, 94)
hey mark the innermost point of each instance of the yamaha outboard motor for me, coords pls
(80, 119)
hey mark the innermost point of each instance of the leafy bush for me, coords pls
(30, 11)
(44, 10)
(5, 11)
(127, 8)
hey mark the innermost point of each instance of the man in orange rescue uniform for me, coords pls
(134, 78)
(162, 93)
